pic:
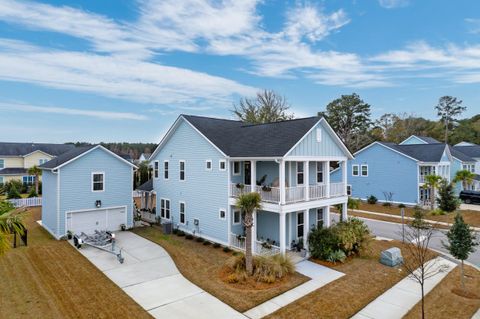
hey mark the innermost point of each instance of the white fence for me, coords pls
(270, 194)
(294, 194)
(318, 191)
(337, 189)
(26, 202)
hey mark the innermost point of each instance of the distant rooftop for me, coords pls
(21, 149)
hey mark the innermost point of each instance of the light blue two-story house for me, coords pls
(396, 172)
(87, 189)
(202, 164)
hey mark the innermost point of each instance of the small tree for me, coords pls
(266, 107)
(432, 182)
(32, 193)
(13, 193)
(448, 108)
(465, 177)
(418, 218)
(10, 222)
(461, 242)
(248, 203)
(419, 261)
(447, 201)
(37, 172)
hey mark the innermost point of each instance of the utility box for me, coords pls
(167, 227)
(391, 257)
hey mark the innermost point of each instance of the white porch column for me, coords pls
(229, 224)
(344, 211)
(344, 176)
(254, 231)
(326, 173)
(253, 175)
(281, 176)
(306, 176)
(282, 233)
(326, 216)
(306, 227)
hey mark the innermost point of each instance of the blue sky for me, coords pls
(124, 70)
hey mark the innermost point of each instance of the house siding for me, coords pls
(49, 202)
(204, 192)
(34, 158)
(413, 140)
(76, 188)
(388, 171)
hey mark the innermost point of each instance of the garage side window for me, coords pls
(98, 182)
(165, 208)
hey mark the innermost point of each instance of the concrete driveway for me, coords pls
(150, 277)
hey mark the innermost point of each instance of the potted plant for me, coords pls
(123, 227)
(266, 245)
(240, 185)
(69, 234)
(266, 188)
(300, 248)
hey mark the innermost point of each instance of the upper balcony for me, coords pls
(442, 170)
(303, 181)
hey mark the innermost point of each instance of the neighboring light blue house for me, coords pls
(87, 189)
(202, 164)
(396, 172)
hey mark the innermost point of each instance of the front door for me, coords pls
(248, 173)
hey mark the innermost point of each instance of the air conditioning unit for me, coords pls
(196, 222)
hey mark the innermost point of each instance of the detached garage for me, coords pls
(87, 189)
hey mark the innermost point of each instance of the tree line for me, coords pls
(132, 149)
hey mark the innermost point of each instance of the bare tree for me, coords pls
(266, 107)
(419, 261)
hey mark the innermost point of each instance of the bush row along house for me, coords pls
(396, 172)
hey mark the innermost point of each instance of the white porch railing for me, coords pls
(26, 202)
(237, 241)
(271, 195)
(318, 191)
(264, 249)
(337, 189)
(235, 191)
(294, 194)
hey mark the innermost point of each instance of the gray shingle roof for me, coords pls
(13, 171)
(428, 139)
(460, 155)
(20, 149)
(65, 157)
(420, 152)
(147, 186)
(472, 151)
(236, 139)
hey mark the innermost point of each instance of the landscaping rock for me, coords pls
(391, 257)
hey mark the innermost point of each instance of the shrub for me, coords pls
(175, 231)
(322, 242)
(372, 199)
(5, 207)
(387, 204)
(353, 203)
(447, 201)
(337, 255)
(180, 233)
(189, 236)
(418, 218)
(265, 269)
(13, 193)
(437, 212)
(32, 193)
(226, 249)
(216, 245)
(401, 205)
(200, 239)
(13, 183)
(206, 243)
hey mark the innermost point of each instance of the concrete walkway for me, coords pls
(469, 207)
(150, 277)
(320, 277)
(398, 300)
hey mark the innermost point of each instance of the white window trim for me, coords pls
(353, 170)
(303, 173)
(361, 170)
(239, 216)
(206, 167)
(239, 168)
(319, 164)
(166, 170)
(91, 181)
(219, 214)
(169, 209)
(184, 212)
(184, 171)
(316, 212)
(220, 165)
(319, 134)
(156, 169)
(303, 225)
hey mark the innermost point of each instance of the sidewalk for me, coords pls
(398, 300)
(320, 275)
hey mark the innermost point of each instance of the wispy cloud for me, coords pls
(17, 107)
(392, 4)
(473, 25)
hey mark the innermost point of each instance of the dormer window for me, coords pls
(319, 134)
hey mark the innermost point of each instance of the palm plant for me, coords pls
(10, 222)
(35, 171)
(432, 182)
(248, 203)
(465, 177)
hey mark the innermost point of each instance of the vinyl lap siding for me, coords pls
(204, 192)
(49, 201)
(76, 188)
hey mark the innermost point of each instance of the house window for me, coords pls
(300, 222)
(222, 165)
(28, 180)
(42, 161)
(299, 173)
(237, 217)
(236, 168)
(364, 170)
(182, 212)
(319, 217)
(319, 172)
(98, 182)
(182, 170)
(355, 170)
(319, 135)
(165, 170)
(165, 208)
(2, 163)
(155, 169)
(222, 214)
(349, 190)
(468, 167)
(208, 165)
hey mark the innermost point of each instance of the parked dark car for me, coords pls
(469, 197)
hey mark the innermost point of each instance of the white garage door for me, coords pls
(91, 220)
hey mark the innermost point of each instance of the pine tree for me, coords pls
(461, 242)
(447, 201)
(13, 193)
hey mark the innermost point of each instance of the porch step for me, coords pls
(295, 257)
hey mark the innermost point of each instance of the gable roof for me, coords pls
(471, 151)
(420, 152)
(22, 149)
(147, 186)
(13, 171)
(424, 139)
(460, 155)
(76, 153)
